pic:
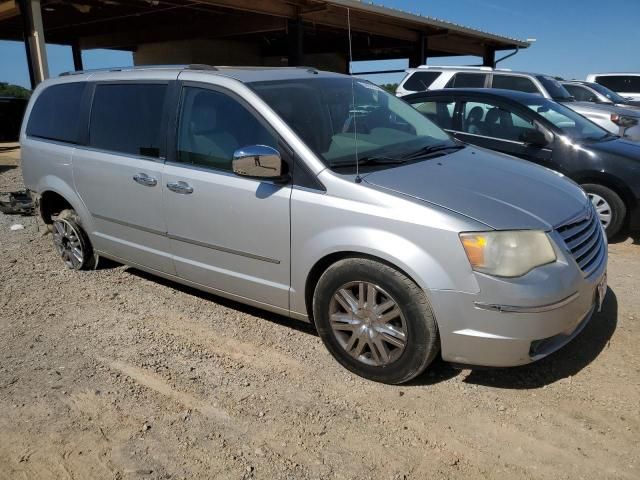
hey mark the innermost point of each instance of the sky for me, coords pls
(573, 38)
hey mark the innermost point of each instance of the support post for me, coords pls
(295, 39)
(34, 41)
(76, 52)
(419, 53)
(489, 57)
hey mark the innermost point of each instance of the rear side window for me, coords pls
(511, 82)
(126, 118)
(55, 115)
(420, 81)
(620, 83)
(467, 80)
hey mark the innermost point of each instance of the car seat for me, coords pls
(474, 120)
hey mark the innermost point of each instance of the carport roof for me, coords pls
(125, 24)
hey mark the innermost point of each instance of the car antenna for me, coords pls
(353, 97)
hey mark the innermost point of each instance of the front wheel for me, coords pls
(375, 320)
(609, 206)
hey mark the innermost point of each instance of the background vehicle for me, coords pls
(616, 120)
(428, 77)
(547, 133)
(321, 197)
(626, 84)
(594, 92)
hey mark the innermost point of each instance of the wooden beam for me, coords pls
(131, 35)
(361, 23)
(456, 45)
(8, 9)
(266, 7)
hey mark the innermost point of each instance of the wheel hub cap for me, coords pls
(67, 242)
(602, 208)
(368, 323)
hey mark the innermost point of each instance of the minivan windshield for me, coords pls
(341, 117)
(571, 123)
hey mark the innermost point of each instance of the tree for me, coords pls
(390, 87)
(9, 90)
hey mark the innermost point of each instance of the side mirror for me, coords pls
(534, 138)
(258, 161)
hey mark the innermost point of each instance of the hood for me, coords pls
(618, 146)
(605, 109)
(500, 191)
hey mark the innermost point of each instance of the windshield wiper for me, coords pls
(370, 160)
(432, 149)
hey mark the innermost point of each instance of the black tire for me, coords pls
(422, 341)
(69, 219)
(616, 204)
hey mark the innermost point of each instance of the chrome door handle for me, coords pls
(146, 180)
(180, 187)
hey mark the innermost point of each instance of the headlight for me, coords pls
(507, 253)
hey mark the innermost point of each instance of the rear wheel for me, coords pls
(609, 206)
(71, 241)
(375, 320)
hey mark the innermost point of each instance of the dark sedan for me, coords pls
(545, 132)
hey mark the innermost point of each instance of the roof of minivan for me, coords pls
(242, 74)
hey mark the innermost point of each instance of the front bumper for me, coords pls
(555, 304)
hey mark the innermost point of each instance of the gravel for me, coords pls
(116, 374)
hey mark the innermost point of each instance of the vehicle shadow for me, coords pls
(241, 307)
(4, 168)
(564, 363)
(633, 235)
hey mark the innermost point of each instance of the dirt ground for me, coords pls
(114, 374)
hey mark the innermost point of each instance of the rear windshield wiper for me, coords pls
(432, 149)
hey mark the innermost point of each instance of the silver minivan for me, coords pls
(321, 197)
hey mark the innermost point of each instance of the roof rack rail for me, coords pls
(133, 68)
(308, 69)
(201, 66)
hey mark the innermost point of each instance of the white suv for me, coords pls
(434, 78)
(625, 84)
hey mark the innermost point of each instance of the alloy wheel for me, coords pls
(368, 323)
(68, 245)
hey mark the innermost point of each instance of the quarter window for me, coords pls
(467, 80)
(494, 121)
(512, 82)
(56, 113)
(126, 118)
(213, 126)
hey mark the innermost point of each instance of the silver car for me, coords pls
(321, 197)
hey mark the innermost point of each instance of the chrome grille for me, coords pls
(584, 238)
